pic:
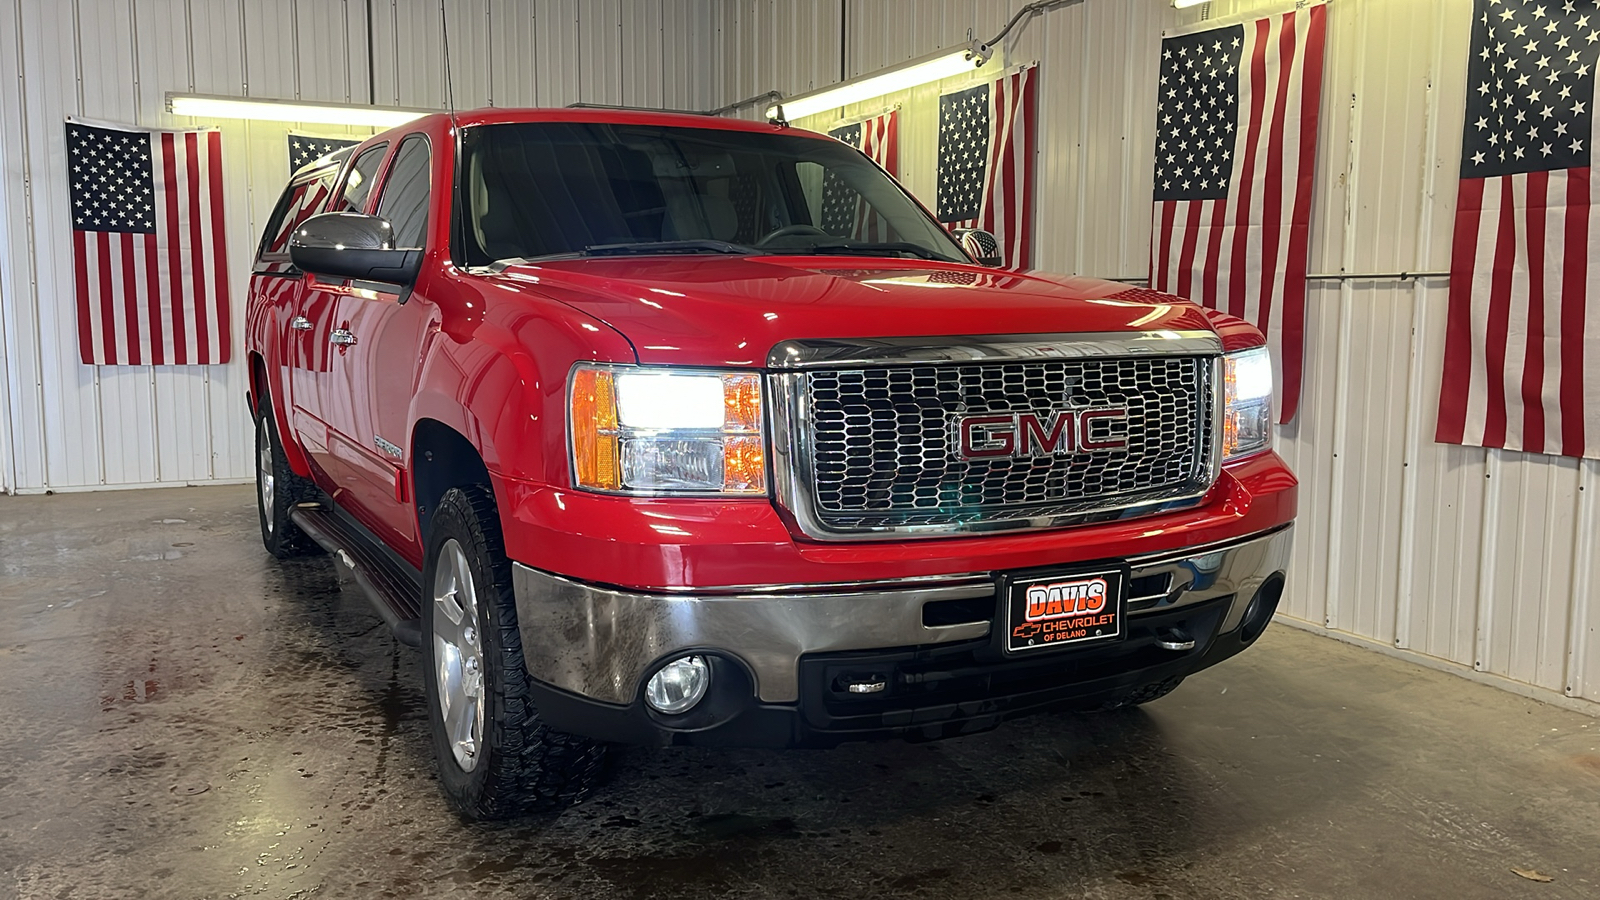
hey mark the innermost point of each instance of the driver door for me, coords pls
(377, 362)
(312, 328)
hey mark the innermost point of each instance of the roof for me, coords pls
(500, 116)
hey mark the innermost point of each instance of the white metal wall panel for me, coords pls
(689, 24)
(1482, 558)
(26, 453)
(66, 425)
(70, 392)
(600, 55)
(556, 50)
(643, 75)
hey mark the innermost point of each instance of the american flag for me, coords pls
(305, 200)
(1522, 337)
(843, 212)
(307, 148)
(149, 254)
(1236, 137)
(986, 151)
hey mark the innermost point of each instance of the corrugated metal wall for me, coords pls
(1478, 558)
(65, 425)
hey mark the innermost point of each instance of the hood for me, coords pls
(730, 311)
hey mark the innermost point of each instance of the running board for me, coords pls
(394, 588)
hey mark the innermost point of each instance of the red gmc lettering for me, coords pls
(998, 437)
(1033, 434)
(1047, 440)
(1094, 415)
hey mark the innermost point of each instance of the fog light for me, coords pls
(678, 685)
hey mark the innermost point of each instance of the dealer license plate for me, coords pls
(1064, 609)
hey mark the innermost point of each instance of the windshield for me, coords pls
(543, 189)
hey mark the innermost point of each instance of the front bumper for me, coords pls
(776, 651)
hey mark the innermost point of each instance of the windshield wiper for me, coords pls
(642, 248)
(877, 249)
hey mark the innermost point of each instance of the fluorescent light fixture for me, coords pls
(919, 71)
(208, 106)
(1184, 4)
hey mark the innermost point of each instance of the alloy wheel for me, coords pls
(264, 479)
(458, 654)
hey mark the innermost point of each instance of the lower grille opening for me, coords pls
(940, 613)
(950, 682)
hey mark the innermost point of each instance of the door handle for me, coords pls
(342, 337)
(300, 323)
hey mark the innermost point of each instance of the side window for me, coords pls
(405, 194)
(300, 201)
(358, 184)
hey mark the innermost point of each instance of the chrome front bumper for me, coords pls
(601, 643)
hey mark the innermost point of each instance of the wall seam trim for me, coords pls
(33, 255)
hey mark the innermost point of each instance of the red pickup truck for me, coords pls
(667, 429)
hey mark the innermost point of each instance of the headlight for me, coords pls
(1247, 403)
(641, 430)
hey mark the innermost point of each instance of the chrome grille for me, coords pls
(878, 442)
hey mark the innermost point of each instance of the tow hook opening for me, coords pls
(1261, 609)
(861, 683)
(1174, 639)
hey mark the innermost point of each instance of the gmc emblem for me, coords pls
(1030, 434)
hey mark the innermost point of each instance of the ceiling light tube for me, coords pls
(1184, 4)
(943, 64)
(207, 106)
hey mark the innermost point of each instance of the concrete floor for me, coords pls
(184, 717)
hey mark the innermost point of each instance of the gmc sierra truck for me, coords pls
(667, 429)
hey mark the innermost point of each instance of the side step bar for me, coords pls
(394, 588)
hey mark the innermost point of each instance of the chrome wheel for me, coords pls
(264, 473)
(458, 654)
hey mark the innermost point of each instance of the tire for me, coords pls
(279, 490)
(1145, 693)
(497, 759)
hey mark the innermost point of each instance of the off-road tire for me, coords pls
(523, 766)
(279, 534)
(1145, 693)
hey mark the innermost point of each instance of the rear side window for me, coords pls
(300, 201)
(358, 184)
(405, 194)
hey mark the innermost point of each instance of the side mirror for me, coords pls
(351, 245)
(980, 245)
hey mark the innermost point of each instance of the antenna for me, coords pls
(458, 241)
(449, 86)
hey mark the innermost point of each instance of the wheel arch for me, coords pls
(261, 387)
(442, 458)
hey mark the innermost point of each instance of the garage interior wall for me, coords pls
(65, 425)
(1477, 560)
